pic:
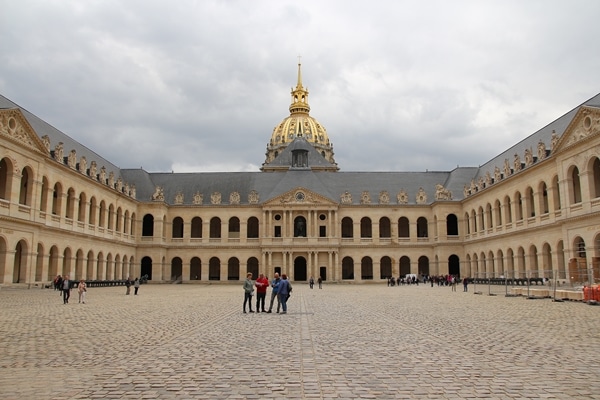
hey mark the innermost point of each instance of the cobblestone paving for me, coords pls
(341, 342)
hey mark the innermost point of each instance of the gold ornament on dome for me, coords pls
(198, 198)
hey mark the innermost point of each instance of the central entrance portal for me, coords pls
(300, 269)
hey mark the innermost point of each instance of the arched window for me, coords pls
(82, 209)
(234, 227)
(576, 184)
(530, 202)
(508, 204)
(347, 268)
(347, 228)
(366, 268)
(451, 225)
(403, 227)
(102, 214)
(519, 206)
(481, 219)
(385, 267)
(177, 228)
(544, 198)
(422, 230)
(195, 269)
(215, 228)
(196, 227)
(148, 225)
(423, 266)
(385, 229)
(214, 269)
(92, 211)
(25, 187)
(404, 266)
(365, 228)
(70, 209)
(300, 226)
(233, 269)
(57, 199)
(252, 231)
(595, 177)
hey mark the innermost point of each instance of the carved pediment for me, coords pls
(586, 123)
(299, 196)
(15, 126)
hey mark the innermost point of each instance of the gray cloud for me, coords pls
(200, 85)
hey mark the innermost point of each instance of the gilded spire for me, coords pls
(299, 95)
(299, 85)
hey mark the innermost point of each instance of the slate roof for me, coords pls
(42, 128)
(272, 184)
(544, 134)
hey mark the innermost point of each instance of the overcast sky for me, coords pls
(200, 85)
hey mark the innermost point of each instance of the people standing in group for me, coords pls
(66, 289)
(248, 291)
(320, 282)
(311, 282)
(136, 285)
(261, 284)
(82, 290)
(274, 291)
(285, 288)
(128, 285)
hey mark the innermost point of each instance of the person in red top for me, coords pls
(262, 283)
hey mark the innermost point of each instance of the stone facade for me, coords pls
(536, 218)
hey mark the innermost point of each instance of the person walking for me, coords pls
(128, 284)
(311, 282)
(66, 289)
(285, 288)
(274, 291)
(248, 291)
(320, 282)
(261, 284)
(82, 290)
(465, 284)
(59, 283)
(136, 285)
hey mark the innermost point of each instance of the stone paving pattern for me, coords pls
(365, 341)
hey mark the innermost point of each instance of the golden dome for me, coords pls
(299, 124)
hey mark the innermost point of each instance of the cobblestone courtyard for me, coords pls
(344, 342)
